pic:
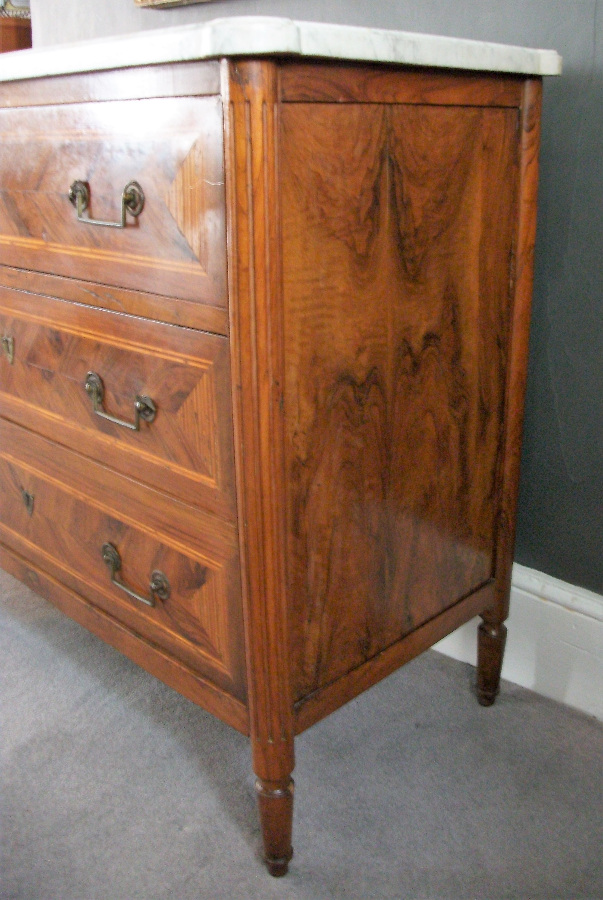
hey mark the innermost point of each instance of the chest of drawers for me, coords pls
(264, 327)
(15, 33)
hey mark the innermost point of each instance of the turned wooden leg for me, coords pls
(490, 649)
(275, 801)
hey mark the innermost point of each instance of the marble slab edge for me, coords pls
(267, 35)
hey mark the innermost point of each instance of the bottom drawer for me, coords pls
(167, 571)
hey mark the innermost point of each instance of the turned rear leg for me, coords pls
(491, 638)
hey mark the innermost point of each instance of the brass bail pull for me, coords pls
(132, 201)
(8, 348)
(159, 586)
(144, 407)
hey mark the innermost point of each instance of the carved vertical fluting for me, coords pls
(250, 89)
(492, 636)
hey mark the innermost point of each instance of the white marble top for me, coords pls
(261, 35)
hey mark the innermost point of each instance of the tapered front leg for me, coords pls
(491, 639)
(275, 801)
(251, 103)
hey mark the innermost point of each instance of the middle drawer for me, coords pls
(150, 400)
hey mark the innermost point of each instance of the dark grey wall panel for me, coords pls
(560, 524)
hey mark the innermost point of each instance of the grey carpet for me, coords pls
(116, 788)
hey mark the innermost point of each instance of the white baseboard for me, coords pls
(554, 643)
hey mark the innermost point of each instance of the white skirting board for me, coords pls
(554, 642)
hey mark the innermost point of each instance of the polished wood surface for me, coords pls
(257, 365)
(15, 34)
(189, 313)
(164, 666)
(327, 297)
(171, 146)
(517, 361)
(74, 513)
(186, 79)
(397, 237)
(491, 640)
(186, 450)
(352, 83)
(321, 703)
(275, 802)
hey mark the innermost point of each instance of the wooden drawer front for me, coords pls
(62, 528)
(173, 147)
(186, 450)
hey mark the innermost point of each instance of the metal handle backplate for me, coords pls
(132, 201)
(144, 408)
(28, 500)
(159, 586)
(8, 348)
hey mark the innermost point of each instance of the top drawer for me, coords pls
(171, 146)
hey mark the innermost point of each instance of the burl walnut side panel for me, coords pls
(397, 224)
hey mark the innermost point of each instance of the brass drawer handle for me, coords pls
(132, 201)
(144, 408)
(159, 586)
(8, 347)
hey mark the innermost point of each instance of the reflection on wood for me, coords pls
(186, 450)
(396, 287)
(171, 146)
(65, 534)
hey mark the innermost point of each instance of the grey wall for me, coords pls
(560, 525)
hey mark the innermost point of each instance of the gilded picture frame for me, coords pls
(15, 9)
(167, 3)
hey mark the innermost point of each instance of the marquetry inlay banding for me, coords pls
(186, 202)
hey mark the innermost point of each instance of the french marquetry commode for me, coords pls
(264, 304)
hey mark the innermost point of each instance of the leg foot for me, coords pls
(275, 801)
(490, 649)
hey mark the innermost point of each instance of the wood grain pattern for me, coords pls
(164, 666)
(15, 34)
(521, 302)
(330, 483)
(74, 516)
(257, 366)
(186, 201)
(189, 313)
(275, 803)
(307, 81)
(321, 703)
(187, 450)
(396, 275)
(186, 79)
(172, 147)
